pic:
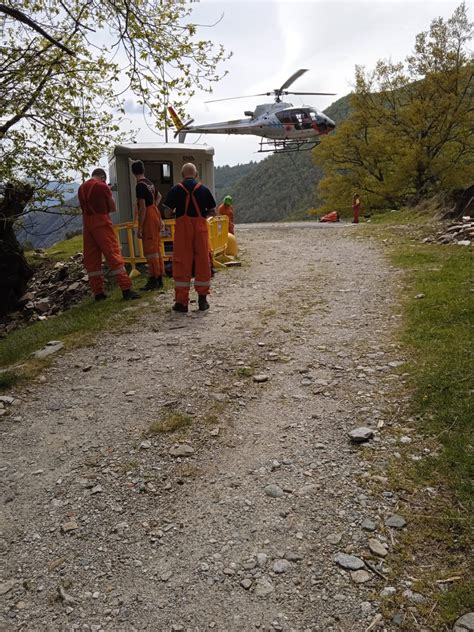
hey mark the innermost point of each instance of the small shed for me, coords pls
(163, 163)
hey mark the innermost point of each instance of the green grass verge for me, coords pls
(75, 327)
(438, 331)
(8, 379)
(65, 249)
(437, 338)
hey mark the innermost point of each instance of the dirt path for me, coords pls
(138, 539)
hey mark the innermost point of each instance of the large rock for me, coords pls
(465, 623)
(396, 522)
(349, 562)
(359, 435)
(53, 346)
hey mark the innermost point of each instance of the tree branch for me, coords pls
(21, 17)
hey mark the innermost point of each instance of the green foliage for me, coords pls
(226, 177)
(62, 109)
(410, 131)
(8, 379)
(276, 187)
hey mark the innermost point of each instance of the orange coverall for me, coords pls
(227, 209)
(191, 245)
(152, 241)
(99, 237)
(356, 208)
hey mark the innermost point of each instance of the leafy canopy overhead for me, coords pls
(410, 132)
(67, 66)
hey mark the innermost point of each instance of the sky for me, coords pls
(271, 39)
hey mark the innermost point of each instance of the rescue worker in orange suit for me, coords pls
(356, 208)
(96, 201)
(149, 226)
(192, 203)
(226, 208)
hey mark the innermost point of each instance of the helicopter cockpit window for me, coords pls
(284, 117)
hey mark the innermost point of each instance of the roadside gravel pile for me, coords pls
(54, 288)
(460, 233)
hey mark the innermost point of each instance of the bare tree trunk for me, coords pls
(14, 269)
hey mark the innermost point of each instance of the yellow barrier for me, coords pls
(218, 238)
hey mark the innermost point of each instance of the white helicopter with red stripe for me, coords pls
(282, 126)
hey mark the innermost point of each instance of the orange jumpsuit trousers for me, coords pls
(99, 239)
(356, 209)
(227, 209)
(152, 241)
(191, 248)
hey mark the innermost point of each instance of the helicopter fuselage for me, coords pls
(276, 121)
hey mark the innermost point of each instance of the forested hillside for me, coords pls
(226, 177)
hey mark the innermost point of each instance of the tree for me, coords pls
(410, 133)
(62, 88)
(65, 71)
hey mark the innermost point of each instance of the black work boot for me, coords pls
(130, 295)
(203, 304)
(179, 307)
(100, 297)
(153, 283)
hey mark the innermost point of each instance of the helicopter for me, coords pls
(282, 126)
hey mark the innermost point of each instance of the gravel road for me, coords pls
(237, 521)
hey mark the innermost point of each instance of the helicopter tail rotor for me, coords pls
(178, 123)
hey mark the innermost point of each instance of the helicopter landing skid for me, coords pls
(284, 146)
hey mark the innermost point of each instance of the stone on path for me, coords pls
(396, 522)
(260, 378)
(349, 562)
(359, 435)
(281, 566)
(69, 526)
(263, 587)
(377, 547)
(360, 577)
(6, 586)
(465, 623)
(274, 491)
(52, 347)
(368, 525)
(181, 449)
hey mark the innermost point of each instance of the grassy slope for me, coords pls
(77, 326)
(437, 338)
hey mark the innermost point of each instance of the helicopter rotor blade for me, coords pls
(248, 96)
(328, 94)
(293, 78)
